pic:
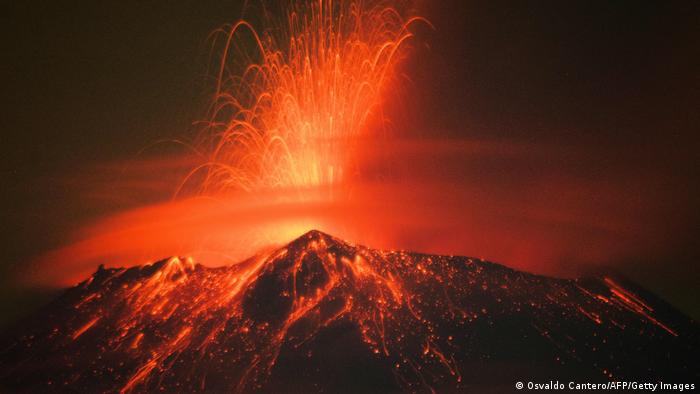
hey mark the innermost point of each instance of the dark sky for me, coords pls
(88, 82)
(616, 81)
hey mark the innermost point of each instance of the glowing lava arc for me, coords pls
(290, 115)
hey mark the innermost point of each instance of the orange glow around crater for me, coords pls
(296, 139)
(297, 101)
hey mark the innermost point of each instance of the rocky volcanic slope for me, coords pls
(324, 315)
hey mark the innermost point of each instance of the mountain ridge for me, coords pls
(408, 321)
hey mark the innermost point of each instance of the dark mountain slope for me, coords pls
(323, 315)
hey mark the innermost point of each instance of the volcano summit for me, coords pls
(323, 315)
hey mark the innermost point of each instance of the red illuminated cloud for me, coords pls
(525, 206)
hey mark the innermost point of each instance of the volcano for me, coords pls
(324, 315)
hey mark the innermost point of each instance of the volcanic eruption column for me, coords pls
(292, 113)
(290, 116)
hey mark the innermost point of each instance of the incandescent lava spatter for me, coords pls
(323, 315)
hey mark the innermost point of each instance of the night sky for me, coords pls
(612, 87)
